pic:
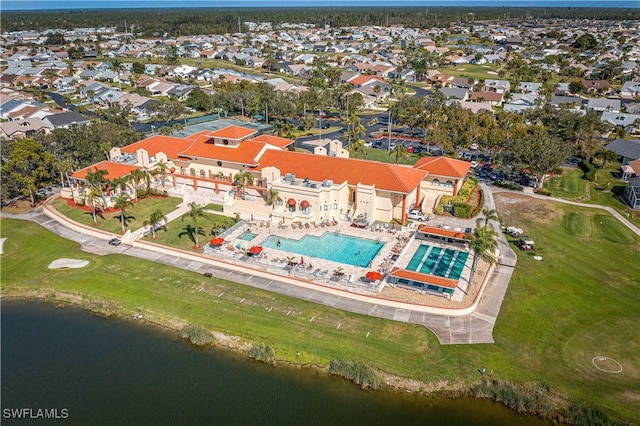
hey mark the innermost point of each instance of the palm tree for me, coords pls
(121, 183)
(195, 212)
(93, 196)
(489, 215)
(241, 180)
(154, 220)
(273, 197)
(483, 244)
(399, 151)
(117, 68)
(122, 202)
(146, 175)
(136, 177)
(162, 167)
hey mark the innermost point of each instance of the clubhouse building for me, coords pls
(306, 187)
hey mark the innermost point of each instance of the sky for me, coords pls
(124, 4)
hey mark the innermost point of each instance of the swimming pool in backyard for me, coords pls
(439, 261)
(330, 246)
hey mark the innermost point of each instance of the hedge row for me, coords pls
(589, 170)
(507, 185)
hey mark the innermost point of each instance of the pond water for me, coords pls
(110, 371)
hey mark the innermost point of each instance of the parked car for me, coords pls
(115, 241)
(410, 149)
(417, 215)
(377, 144)
(368, 144)
(392, 145)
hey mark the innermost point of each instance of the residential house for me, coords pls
(521, 102)
(493, 98)
(462, 83)
(631, 193)
(573, 102)
(497, 86)
(66, 120)
(627, 149)
(630, 89)
(23, 128)
(602, 104)
(530, 87)
(597, 86)
(630, 170)
(629, 122)
(455, 93)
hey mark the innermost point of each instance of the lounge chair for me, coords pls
(306, 225)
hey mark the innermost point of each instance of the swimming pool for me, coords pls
(247, 236)
(443, 262)
(330, 246)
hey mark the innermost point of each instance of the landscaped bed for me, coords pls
(110, 220)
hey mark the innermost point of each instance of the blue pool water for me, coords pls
(247, 236)
(330, 246)
(443, 262)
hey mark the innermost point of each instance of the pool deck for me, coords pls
(321, 271)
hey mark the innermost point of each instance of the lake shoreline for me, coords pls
(240, 346)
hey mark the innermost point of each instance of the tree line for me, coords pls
(176, 22)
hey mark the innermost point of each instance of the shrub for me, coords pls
(142, 193)
(461, 209)
(508, 185)
(588, 169)
(543, 192)
(478, 208)
(262, 353)
(360, 374)
(197, 335)
(557, 170)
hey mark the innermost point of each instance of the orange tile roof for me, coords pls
(386, 176)
(487, 96)
(171, 146)
(247, 152)
(274, 140)
(443, 166)
(441, 231)
(423, 278)
(114, 170)
(233, 132)
(362, 79)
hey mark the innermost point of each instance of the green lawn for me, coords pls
(568, 185)
(180, 233)
(478, 72)
(110, 221)
(579, 302)
(384, 156)
(606, 190)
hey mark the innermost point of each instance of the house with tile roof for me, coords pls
(314, 187)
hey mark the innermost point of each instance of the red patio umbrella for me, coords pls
(301, 260)
(373, 275)
(217, 241)
(255, 250)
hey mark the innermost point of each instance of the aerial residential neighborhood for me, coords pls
(359, 178)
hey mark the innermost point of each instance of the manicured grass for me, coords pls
(180, 233)
(606, 190)
(568, 185)
(384, 156)
(478, 72)
(579, 302)
(214, 207)
(110, 221)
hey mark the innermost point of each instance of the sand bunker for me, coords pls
(68, 263)
(2, 240)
